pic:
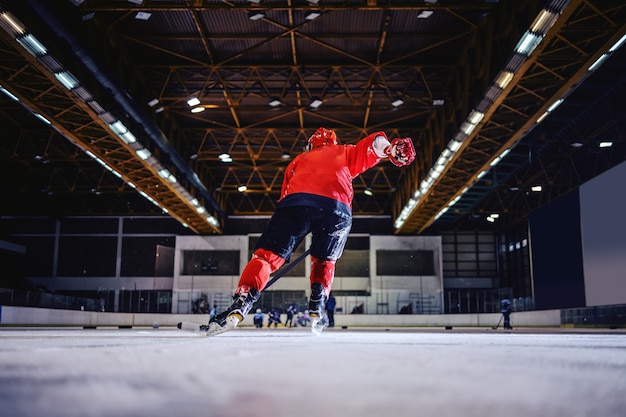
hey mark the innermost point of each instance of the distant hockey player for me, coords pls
(258, 318)
(316, 198)
(505, 309)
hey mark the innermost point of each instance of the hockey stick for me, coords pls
(289, 267)
(498, 325)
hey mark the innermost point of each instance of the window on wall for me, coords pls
(210, 262)
(469, 254)
(403, 262)
(514, 257)
(355, 261)
(147, 256)
(87, 256)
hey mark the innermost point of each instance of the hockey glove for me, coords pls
(401, 152)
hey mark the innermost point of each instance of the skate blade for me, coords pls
(215, 329)
(317, 325)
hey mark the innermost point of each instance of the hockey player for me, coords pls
(316, 198)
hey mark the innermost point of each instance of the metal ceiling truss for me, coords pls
(35, 85)
(577, 39)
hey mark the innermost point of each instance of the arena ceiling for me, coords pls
(498, 96)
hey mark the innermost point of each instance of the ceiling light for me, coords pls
(555, 105)
(67, 79)
(543, 22)
(242, 188)
(576, 145)
(275, 101)
(143, 15)
(397, 102)
(504, 79)
(198, 109)
(316, 102)
(46, 121)
(255, 1)
(425, 14)
(135, 1)
(153, 102)
(528, 43)
(536, 188)
(598, 62)
(194, 101)
(313, 1)
(312, 14)
(9, 94)
(32, 45)
(438, 102)
(617, 44)
(225, 158)
(11, 24)
(368, 192)
(256, 15)
(286, 155)
(143, 153)
(605, 144)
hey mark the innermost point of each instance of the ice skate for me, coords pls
(233, 315)
(317, 307)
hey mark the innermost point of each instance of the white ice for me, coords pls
(292, 373)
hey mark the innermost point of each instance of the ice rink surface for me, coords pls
(290, 372)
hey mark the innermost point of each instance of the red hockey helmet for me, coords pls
(322, 137)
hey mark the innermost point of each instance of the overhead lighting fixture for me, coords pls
(32, 45)
(143, 153)
(598, 62)
(256, 15)
(225, 158)
(536, 188)
(424, 14)
(285, 155)
(11, 24)
(312, 15)
(9, 94)
(242, 188)
(605, 144)
(504, 79)
(528, 43)
(254, 1)
(43, 119)
(397, 102)
(143, 15)
(153, 102)
(136, 1)
(543, 22)
(67, 79)
(198, 109)
(275, 101)
(316, 102)
(313, 1)
(438, 102)
(617, 44)
(368, 192)
(194, 101)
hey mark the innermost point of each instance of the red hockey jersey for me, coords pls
(328, 171)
